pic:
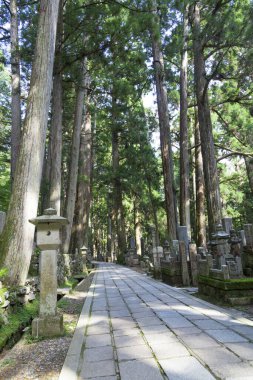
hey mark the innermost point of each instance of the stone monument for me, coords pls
(2, 220)
(227, 224)
(48, 226)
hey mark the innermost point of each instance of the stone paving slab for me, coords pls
(133, 327)
(134, 352)
(140, 370)
(103, 353)
(207, 324)
(169, 350)
(244, 350)
(234, 371)
(187, 368)
(218, 356)
(226, 336)
(96, 369)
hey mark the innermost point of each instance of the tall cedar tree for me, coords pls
(15, 87)
(212, 190)
(163, 114)
(18, 234)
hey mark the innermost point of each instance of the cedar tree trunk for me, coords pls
(184, 156)
(207, 144)
(165, 139)
(18, 235)
(15, 89)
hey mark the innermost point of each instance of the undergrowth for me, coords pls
(17, 322)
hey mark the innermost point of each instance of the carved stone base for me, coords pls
(48, 326)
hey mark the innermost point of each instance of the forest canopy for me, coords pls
(99, 162)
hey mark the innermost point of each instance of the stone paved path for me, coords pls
(135, 328)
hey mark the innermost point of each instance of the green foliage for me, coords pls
(3, 273)
(17, 321)
(30, 339)
(120, 64)
(71, 282)
(121, 260)
(63, 303)
(7, 362)
(69, 328)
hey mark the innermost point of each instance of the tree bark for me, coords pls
(185, 219)
(15, 89)
(205, 125)
(200, 191)
(56, 124)
(17, 237)
(165, 139)
(249, 169)
(109, 236)
(74, 159)
(45, 180)
(84, 179)
(118, 212)
(137, 228)
(154, 209)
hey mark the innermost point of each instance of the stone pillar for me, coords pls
(153, 235)
(175, 248)
(225, 272)
(243, 239)
(194, 264)
(84, 251)
(167, 251)
(184, 265)
(238, 261)
(209, 261)
(248, 230)
(2, 220)
(48, 240)
(183, 236)
(227, 224)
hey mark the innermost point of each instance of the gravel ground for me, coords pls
(31, 359)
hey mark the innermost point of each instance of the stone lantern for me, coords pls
(235, 243)
(219, 245)
(84, 251)
(48, 226)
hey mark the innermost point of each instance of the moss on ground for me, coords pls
(71, 282)
(240, 284)
(17, 322)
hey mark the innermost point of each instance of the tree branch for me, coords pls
(231, 153)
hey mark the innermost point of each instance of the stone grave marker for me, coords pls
(184, 265)
(175, 248)
(183, 236)
(243, 239)
(2, 221)
(227, 224)
(248, 230)
(194, 263)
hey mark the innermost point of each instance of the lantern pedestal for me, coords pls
(48, 326)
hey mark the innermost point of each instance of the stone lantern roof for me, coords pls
(219, 233)
(50, 216)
